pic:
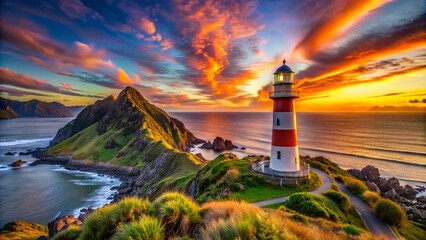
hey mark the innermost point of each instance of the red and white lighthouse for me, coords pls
(284, 149)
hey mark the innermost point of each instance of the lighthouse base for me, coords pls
(262, 167)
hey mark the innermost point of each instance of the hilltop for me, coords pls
(33, 108)
(132, 133)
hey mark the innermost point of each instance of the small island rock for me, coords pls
(18, 163)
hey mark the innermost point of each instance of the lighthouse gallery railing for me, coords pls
(284, 94)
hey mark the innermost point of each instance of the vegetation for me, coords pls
(19, 230)
(371, 198)
(145, 228)
(177, 212)
(176, 216)
(333, 206)
(390, 212)
(356, 186)
(352, 230)
(103, 223)
(411, 230)
(340, 198)
(228, 177)
(71, 233)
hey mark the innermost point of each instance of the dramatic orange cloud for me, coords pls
(212, 27)
(147, 26)
(341, 16)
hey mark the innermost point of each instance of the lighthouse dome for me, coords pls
(284, 68)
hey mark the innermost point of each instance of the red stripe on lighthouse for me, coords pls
(284, 138)
(283, 105)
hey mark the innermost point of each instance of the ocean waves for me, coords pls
(24, 141)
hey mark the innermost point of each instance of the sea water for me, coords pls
(393, 142)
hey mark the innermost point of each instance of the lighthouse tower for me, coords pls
(284, 149)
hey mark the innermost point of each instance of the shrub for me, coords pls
(313, 205)
(340, 198)
(390, 212)
(247, 226)
(146, 228)
(102, 223)
(71, 233)
(356, 186)
(299, 218)
(352, 230)
(177, 211)
(98, 224)
(371, 198)
(130, 209)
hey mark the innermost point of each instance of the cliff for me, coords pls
(35, 108)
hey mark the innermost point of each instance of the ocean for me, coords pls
(41, 193)
(393, 142)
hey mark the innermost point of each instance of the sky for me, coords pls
(215, 55)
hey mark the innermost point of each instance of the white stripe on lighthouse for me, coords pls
(289, 159)
(286, 120)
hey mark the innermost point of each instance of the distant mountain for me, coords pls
(36, 108)
(8, 113)
(130, 131)
(397, 109)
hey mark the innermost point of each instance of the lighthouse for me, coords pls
(284, 149)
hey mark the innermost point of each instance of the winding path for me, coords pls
(326, 184)
(374, 224)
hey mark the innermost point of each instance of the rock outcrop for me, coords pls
(390, 188)
(18, 163)
(219, 144)
(35, 108)
(87, 117)
(62, 223)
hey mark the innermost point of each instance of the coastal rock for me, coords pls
(409, 192)
(134, 172)
(356, 173)
(18, 163)
(207, 145)
(393, 182)
(373, 187)
(84, 215)
(111, 144)
(383, 185)
(421, 199)
(219, 144)
(243, 148)
(391, 194)
(10, 154)
(370, 173)
(62, 223)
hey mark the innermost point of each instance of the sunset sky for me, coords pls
(215, 55)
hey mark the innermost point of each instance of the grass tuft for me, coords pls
(145, 228)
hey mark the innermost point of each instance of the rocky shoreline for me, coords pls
(405, 196)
